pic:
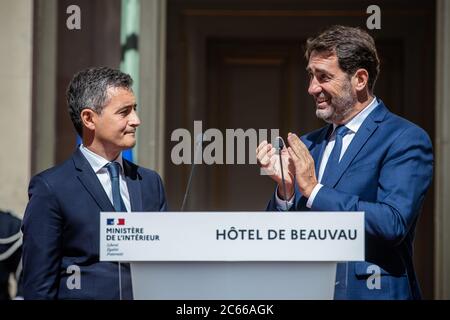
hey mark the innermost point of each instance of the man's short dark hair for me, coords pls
(354, 48)
(89, 90)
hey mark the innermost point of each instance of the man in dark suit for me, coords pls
(366, 159)
(61, 221)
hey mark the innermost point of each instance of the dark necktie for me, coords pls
(114, 169)
(125, 286)
(333, 160)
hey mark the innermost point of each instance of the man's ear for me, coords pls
(88, 118)
(361, 80)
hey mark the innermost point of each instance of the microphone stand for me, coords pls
(281, 145)
(198, 145)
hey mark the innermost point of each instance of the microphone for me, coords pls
(280, 147)
(198, 148)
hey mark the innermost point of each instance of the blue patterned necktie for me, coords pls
(333, 160)
(114, 169)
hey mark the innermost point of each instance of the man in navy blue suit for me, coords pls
(365, 159)
(61, 221)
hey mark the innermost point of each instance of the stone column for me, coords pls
(152, 51)
(44, 85)
(442, 152)
(16, 34)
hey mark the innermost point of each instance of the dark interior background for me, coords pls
(239, 64)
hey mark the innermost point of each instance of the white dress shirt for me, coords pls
(98, 165)
(353, 125)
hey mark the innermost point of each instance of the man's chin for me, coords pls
(324, 114)
(129, 144)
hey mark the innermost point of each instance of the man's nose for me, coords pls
(134, 119)
(314, 87)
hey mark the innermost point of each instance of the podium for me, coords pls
(232, 255)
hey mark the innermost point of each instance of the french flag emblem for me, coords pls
(112, 221)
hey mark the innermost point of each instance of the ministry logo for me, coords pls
(115, 222)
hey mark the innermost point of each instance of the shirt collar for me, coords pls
(355, 123)
(98, 162)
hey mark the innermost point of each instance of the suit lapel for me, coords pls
(134, 185)
(366, 130)
(89, 180)
(355, 146)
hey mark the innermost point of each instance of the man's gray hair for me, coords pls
(88, 89)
